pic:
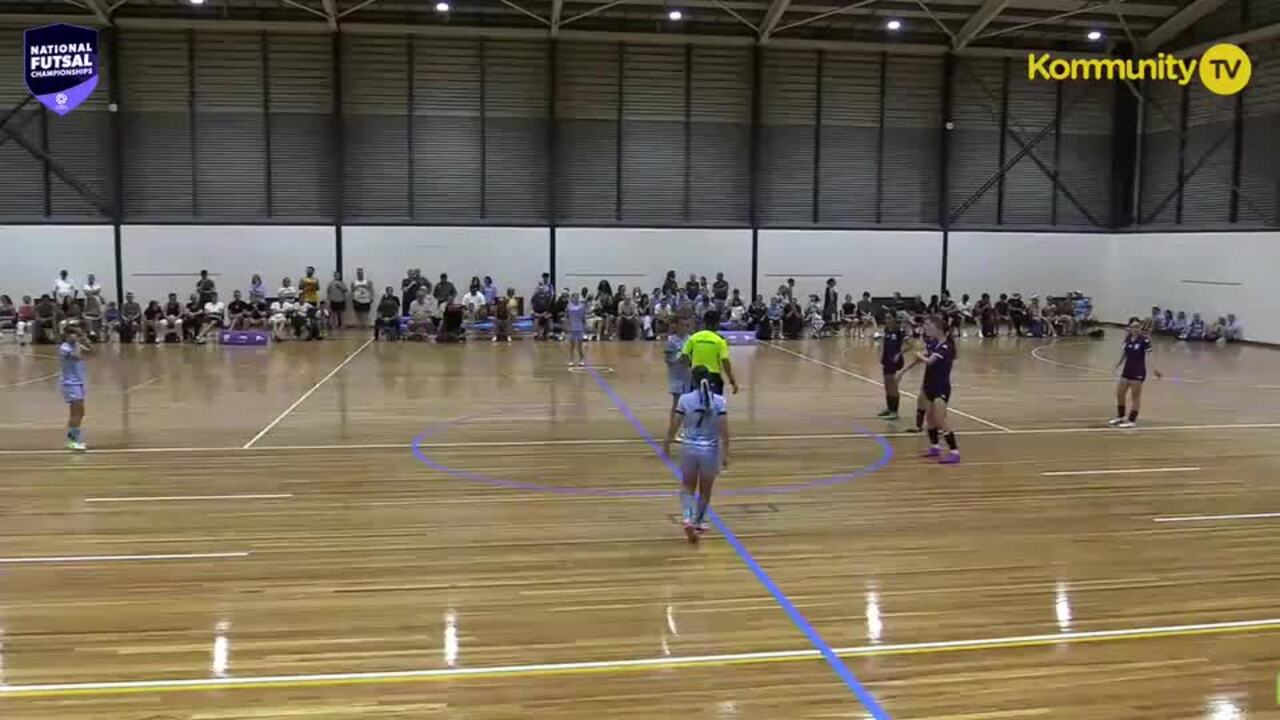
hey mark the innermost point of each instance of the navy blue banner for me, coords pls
(60, 65)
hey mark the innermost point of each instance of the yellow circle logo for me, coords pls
(1225, 69)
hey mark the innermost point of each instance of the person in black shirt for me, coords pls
(388, 320)
(171, 325)
(932, 308)
(151, 318)
(849, 314)
(720, 289)
(445, 291)
(792, 321)
(757, 314)
(192, 318)
(1017, 313)
(1002, 314)
(541, 304)
(558, 310)
(985, 314)
(409, 289)
(830, 308)
(691, 288)
(256, 315)
(670, 286)
(236, 311)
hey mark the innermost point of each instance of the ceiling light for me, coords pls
(675, 15)
(1094, 35)
(196, 2)
(894, 25)
(442, 7)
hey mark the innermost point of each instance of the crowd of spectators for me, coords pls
(1227, 328)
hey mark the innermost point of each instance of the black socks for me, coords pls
(933, 436)
(951, 441)
(919, 419)
(1133, 416)
(1120, 410)
(892, 402)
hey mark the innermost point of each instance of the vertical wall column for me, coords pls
(117, 153)
(944, 159)
(339, 143)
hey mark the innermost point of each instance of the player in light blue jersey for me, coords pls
(575, 321)
(704, 417)
(677, 365)
(71, 361)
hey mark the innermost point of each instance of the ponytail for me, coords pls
(704, 388)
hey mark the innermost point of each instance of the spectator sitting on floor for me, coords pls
(214, 317)
(387, 323)
(192, 318)
(1179, 327)
(278, 318)
(237, 311)
(1234, 330)
(451, 325)
(792, 320)
(111, 318)
(1215, 331)
(1195, 329)
(628, 318)
(26, 318)
(559, 312)
(151, 319)
(541, 306)
(130, 319)
(503, 315)
(475, 303)
(171, 323)
(422, 312)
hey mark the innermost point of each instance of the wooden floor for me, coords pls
(524, 561)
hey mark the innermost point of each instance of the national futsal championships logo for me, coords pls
(60, 65)
(1223, 69)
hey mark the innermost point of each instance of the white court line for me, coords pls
(1119, 471)
(1210, 518)
(32, 381)
(118, 558)
(635, 441)
(183, 498)
(1035, 353)
(247, 681)
(873, 381)
(307, 394)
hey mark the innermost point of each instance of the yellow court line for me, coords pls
(617, 666)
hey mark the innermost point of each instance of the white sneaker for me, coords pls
(1115, 421)
(1126, 424)
(75, 446)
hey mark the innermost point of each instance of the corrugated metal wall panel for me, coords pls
(912, 117)
(516, 94)
(155, 106)
(977, 98)
(1160, 152)
(231, 142)
(1210, 144)
(587, 132)
(653, 134)
(1084, 161)
(447, 140)
(850, 139)
(300, 105)
(375, 110)
(789, 103)
(720, 136)
(22, 176)
(1260, 159)
(1028, 191)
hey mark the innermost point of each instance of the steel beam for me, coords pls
(772, 17)
(979, 21)
(1177, 23)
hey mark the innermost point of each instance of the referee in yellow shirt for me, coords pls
(707, 349)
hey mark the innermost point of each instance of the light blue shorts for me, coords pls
(705, 461)
(73, 393)
(575, 336)
(678, 382)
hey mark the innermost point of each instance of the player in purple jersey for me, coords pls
(938, 358)
(1137, 347)
(891, 363)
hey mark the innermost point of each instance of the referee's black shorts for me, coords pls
(715, 381)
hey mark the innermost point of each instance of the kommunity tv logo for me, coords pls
(1223, 69)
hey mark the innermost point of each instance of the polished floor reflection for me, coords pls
(476, 532)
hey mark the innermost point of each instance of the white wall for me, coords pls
(160, 259)
(32, 255)
(879, 262)
(585, 256)
(1209, 273)
(1028, 263)
(513, 257)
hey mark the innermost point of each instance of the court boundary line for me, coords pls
(877, 383)
(307, 394)
(185, 498)
(1119, 471)
(864, 696)
(68, 559)
(635, 664)
(632, 441)
(1212, 518)
(32, 381)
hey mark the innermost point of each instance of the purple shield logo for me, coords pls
(60, 65)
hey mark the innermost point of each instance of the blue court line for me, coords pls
(864, 696)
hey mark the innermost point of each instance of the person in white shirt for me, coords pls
(64, 289)
(287, 291)
(91, 287)
(215, 317)
(281, 309)
(362, 297)
(422, 314)
(475, 304)
(1234, 330)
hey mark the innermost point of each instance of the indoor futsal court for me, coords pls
(639, 359)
